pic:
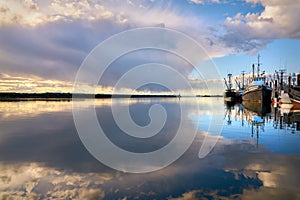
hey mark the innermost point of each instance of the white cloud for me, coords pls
(197, 1)
(25, 12)
(253, 31)
(203, 1)
(24, 84)
(31, 13)
(279, 19)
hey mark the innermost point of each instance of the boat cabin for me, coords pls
(259, 81)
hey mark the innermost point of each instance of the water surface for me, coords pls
(257, 155)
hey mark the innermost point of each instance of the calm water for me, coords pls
(257, 155)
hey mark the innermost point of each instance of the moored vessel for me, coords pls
(294, 93)
(258, 90)
(229, 94)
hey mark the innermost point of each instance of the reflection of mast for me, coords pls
(242, 117)
(241, 109)
(229, 117)
(256, 135)
(228, 114)
(257, 132)
(256, 114)
(275, 118)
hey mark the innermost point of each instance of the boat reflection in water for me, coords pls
(292, 119)
(260, 109)
(254, 115)
(257, 116)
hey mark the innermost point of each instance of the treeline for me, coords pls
(47, 95)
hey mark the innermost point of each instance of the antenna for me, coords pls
(286, 64)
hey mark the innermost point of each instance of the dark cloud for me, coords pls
(56, 50)
(133, 59)
(240, 42)
(51, 51)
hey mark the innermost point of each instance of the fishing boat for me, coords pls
(294, 93)
(258, 90)
(230, 94)
(285, 100)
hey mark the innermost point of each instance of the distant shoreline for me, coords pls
(11, 96)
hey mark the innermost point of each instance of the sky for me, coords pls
(43, 43)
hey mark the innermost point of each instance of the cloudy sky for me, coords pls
(43, 43)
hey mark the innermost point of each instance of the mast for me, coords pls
(253, 72)
(243, 85)
(282, 71)
(226, 83)
(258, 65)
(281, 78)
(238, 84)
(229, 81)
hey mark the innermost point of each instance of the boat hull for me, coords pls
(230, 96)
(296, 104)
(294, 94)
(260, 94)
